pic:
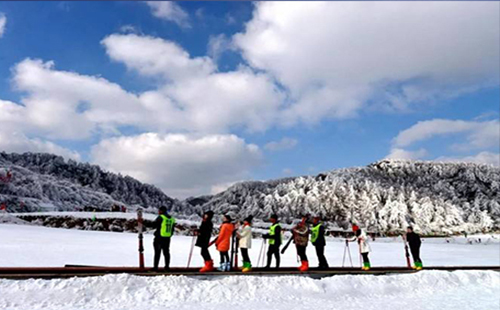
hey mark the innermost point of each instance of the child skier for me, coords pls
(301, 238)
(364, 247)
(275, 240)
(223, 241)
(245, 242)
(414, 242)
(164, 230)
(203, 240)
(318, 240)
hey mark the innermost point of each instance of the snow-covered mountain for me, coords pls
(44, 181)
(385, 196)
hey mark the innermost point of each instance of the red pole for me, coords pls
(141, 247)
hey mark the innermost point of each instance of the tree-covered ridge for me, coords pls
(43, 179)
(385, 196)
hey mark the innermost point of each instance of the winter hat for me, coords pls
(228, 217)
(274, 216)
(248, 219)
(210, 214)
(163, 209)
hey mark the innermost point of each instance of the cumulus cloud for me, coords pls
(394, 53)
(182, 165)
(169, 11)
(283, 144)
(193, 95)
(12, 138)
(67, 105)
(481, 158)
(478, 134)
(397, 153)
(3, 22)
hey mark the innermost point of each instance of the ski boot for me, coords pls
(418, 266)
(304, 267)
(366, 266)
(247, 267)
(209, 266)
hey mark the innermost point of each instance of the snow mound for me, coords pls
(424, 290)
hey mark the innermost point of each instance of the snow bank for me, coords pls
(424, 290)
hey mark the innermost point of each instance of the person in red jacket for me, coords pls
(223, 242)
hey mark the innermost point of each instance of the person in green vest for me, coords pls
(165, 225)
(318, 240)
(275, 239)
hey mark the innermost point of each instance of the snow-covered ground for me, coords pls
(424, 290)
(25, 245)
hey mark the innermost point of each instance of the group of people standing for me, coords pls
(302, 233)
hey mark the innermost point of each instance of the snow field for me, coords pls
(26, 245)
(424, 290)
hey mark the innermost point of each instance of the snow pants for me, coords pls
(224, 257)
(205, 254)
(301, 251)
(161, 244)
(320, 251)
(415, 253)
(244, 253)
(365, 257)
(274, 249)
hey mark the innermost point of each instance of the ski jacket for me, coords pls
(413, 240)
(301, 235)
(318, 235)
(274, 235)
(204, 234)
(223, 241)
(164, 225)
(245, 233)
(364, 246)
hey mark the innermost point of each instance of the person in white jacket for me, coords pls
(245, 242)
(364, 247)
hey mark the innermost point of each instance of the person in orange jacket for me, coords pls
(223, 242)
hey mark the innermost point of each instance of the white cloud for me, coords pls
(284, 144)
(193, 95)
(217, 45)
(3, 22)
(384, 52)
(480, 158)
(397, 153)
(12, 138)
(171, 11)
(287, 171)
(478, 134)
(66, 105)
(182, 165)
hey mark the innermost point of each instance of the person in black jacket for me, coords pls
(165, 225)
(318, 240)
(414, 242)
(203, 240)
(274, 237)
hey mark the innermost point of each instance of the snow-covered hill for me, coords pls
(48, 182)
(385, 196)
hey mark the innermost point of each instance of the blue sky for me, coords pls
(194, 96)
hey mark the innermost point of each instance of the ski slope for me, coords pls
(26, 245)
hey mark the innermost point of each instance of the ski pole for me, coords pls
(260, 252)
(191, 251)
(408, 263)
(345, 249)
